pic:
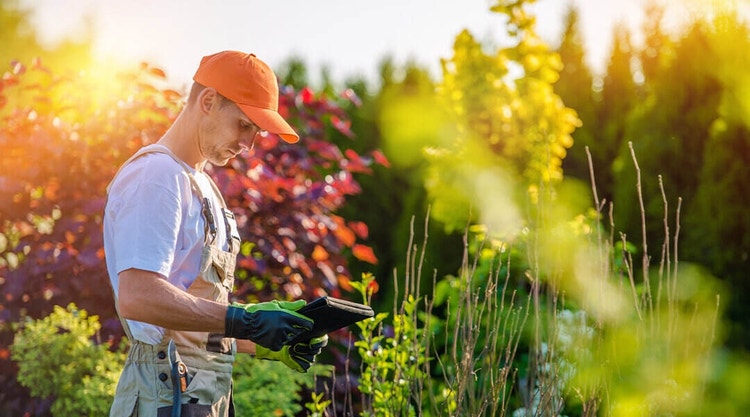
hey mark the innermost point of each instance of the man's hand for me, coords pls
(271, 324)
(298, 356)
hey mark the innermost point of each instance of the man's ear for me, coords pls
(207, 99)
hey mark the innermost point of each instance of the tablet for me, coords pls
(330, 314)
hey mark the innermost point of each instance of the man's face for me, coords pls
(227, 132)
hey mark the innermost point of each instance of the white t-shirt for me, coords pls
(153, 222)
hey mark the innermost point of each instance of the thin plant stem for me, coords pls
(665, 266)
(646, 284)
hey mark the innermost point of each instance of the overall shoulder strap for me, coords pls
(210, 222)
(154, 148)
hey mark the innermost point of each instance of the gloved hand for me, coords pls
(298, 356)
(271, 324)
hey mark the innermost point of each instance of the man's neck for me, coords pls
(182, 140)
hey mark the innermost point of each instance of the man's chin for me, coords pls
(219, 162)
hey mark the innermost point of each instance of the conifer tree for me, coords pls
(575, 88)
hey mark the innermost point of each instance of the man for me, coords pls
(171, 245)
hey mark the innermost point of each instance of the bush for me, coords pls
(59, 357)
(264, 388)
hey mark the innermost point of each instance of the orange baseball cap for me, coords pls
(250, 84)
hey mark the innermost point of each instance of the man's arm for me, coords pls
(145, 296)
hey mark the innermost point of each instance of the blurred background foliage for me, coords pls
(502, 133)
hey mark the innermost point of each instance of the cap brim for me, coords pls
(271, 122)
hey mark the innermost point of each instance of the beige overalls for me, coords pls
(145, 387)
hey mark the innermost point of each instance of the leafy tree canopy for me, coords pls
(512, 128)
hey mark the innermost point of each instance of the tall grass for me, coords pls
(566, 321)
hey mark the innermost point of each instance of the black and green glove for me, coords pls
(299, 356)
(271, 324)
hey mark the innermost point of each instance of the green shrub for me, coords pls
(57, 357)
(265, 388)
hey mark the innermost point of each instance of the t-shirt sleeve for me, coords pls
(146, 225)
